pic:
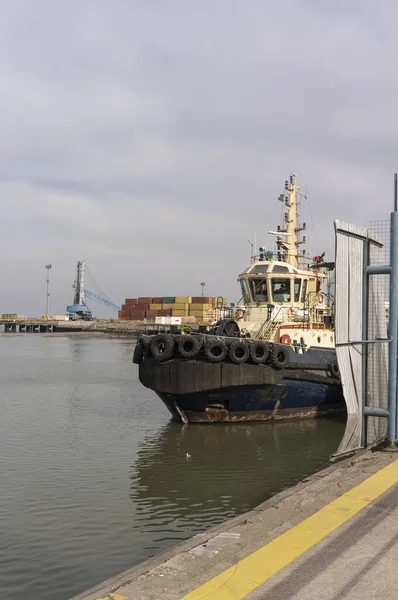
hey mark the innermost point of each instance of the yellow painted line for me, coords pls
(248, 574)
(112, 597)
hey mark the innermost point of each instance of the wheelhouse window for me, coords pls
(280, 269)
(245, 291)
(259, 290)
(281, 290)
(297, 284)
(260, 269)
(304, 290)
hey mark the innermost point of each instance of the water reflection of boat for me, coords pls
(231, 469)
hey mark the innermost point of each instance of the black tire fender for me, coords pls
(138, 355)
(144, 342)
(162, 347)
(215, 350)
(259, 352)
(238, 352)
(334, 370)
(189, 345)
(279, 357)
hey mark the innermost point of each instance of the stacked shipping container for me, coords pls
(201, 308)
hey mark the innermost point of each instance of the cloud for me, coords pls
(152, 139)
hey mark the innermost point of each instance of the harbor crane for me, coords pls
(79, 308)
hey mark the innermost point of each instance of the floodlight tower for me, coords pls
(48, 268)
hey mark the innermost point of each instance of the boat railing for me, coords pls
(268, 327)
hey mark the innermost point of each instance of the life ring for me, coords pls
(286, 339)
(239, 314)
(321, 298)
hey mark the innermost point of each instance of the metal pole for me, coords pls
(395, 192)
(393, 331)
(365, 335)
(48, 267)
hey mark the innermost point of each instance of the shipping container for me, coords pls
(141, 306)
(152, 313)
(181, 306)
(144, 300)
(174, 320)
(125, 313)
(200, 307)
(168, 300)
(165, 312)
(155, 306)
(137, 315)
(183, 299)
(178, 313)
(157, 300)
(130, 301)
(202, 300)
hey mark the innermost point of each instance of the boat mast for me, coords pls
(288, 243)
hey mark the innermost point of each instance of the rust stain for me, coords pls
(216, 414)
(212, 415)
(277, 405)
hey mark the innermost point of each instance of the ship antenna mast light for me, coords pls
(203, 287)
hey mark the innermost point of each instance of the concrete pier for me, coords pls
(332, 536)
(29, 326)
(112, 327)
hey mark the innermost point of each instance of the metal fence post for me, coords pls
(365, 335)
(393, 331)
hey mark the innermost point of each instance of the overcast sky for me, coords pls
(151, 138)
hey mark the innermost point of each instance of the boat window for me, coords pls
(245, 291)
(297, 283)
(304, 290)
(281, 290)
(280, 269)
(260, 269)
(259, 290)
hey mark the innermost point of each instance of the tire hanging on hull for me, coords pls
(215, 351)
(259, 352)
(162, 347)
(238, 352)
(189, 346)
(279, 357)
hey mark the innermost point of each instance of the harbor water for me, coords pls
(96, 478)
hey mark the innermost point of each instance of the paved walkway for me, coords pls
(334, 536)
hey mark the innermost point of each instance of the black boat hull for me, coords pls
(285, 400)
(199, 391)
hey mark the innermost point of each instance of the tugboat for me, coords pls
(273, 359)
